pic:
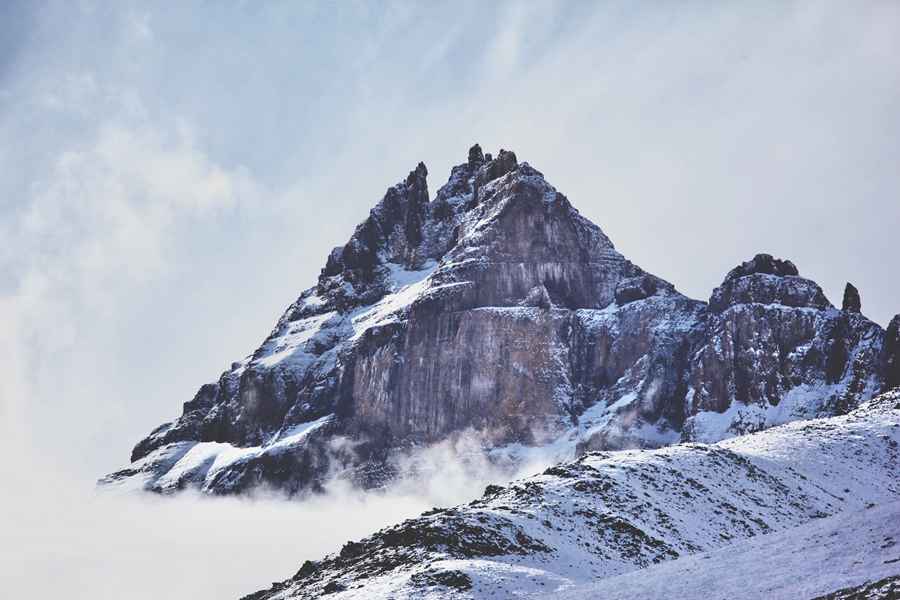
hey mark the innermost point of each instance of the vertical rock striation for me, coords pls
(497, 308)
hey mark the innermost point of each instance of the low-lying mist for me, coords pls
(65, 540)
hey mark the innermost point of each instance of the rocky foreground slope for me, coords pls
(609, 514)
(497, 310)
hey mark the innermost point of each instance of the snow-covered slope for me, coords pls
(851, 551)
(608, 514)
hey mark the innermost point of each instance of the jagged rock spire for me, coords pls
(476, 158)
(851, 302)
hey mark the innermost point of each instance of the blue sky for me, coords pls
(173, 175)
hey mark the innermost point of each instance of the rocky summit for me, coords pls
(496, 310)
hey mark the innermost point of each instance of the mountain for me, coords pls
(497, 311)
(685, 521)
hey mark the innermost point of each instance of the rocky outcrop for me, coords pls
(892, 355)
(851, 303)
(497, 308)
(776, 350)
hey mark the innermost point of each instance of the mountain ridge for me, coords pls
(496, 307)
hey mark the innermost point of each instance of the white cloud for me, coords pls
(105, 219)
(60, 543)
(107, 211)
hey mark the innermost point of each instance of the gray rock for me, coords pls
(851, 302)
(776, 350)
(497, 308)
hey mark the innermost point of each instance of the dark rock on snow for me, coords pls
(883, 589)
(497, 308)
(851, 299)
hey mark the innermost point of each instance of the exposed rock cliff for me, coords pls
(776, 350)
(497, 308)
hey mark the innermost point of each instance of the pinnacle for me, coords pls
(851, 302)
(476, 157)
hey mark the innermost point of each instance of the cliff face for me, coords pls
(776, 350)
(497, 308)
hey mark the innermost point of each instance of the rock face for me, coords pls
(892, 354)
(496, 308)
(776, 350)
(852, 302)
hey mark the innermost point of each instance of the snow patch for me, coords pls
(407, 286)
(205, 460)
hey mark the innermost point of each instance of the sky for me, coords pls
(174, 174)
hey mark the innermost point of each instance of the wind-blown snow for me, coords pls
(407, 286)
(295, 336)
